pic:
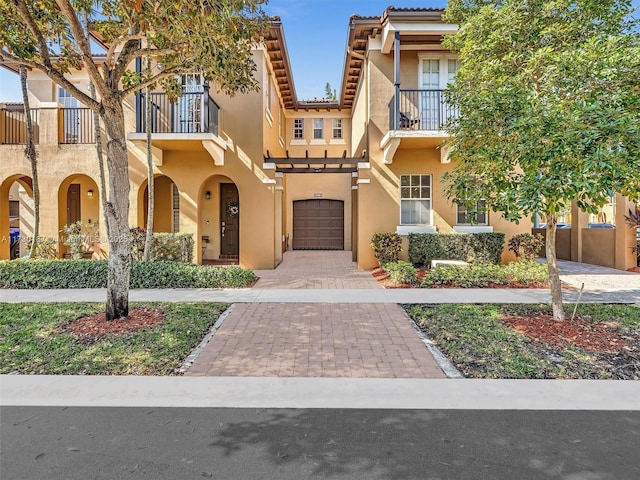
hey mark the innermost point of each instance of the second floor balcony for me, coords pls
(193, 112)
(420, 111)
(191, 122)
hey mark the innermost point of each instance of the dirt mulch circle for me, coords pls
(579, 332)
(92, 328)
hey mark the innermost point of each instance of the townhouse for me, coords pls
(254, 175)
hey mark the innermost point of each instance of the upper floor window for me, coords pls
(437, 72)
(337, 128)
(475, 214)
(298, 128)
(280, 123)
(415, 199)
(317, 128)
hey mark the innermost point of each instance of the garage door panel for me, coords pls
(318, 224)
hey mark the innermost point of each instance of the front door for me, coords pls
(229, 220)
(73, 203)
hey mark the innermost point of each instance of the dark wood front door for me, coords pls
(318, 225)
(229, 220)
(73, 204)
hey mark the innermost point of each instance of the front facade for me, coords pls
(257, 174)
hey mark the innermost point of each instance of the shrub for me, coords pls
(526, 246)
(93, 274)
(523, 273)
(80, 237)
(47, 248)
(386, 246)
(401, 272)
(173, 247)
(477, 248)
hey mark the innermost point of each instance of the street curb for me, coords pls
(443, 362)
(195, 353)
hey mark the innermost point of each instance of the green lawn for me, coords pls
(32, 340)
(476, 340)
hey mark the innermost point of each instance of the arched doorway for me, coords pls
(220, 211)
(166, 205)
(79, 201)
(16, 216)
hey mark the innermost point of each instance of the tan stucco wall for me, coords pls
(331, 186)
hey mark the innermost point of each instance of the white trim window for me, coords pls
(415, 200)
(337, 128)
(298, 129)
(318, 126)
(476, 215)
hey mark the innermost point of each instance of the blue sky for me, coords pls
(316, 34)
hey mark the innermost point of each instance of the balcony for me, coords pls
(420, 110)
(417, 119)
(76, 126)
(13, 124)
(192, 122)
(192, 113)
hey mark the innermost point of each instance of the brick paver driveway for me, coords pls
(316, 339)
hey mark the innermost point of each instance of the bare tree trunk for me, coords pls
(150, 183)
(118, 274)
(32, 155)
(104, 200)
(552, 266)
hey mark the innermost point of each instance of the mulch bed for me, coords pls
(91, 328)
(579, 332)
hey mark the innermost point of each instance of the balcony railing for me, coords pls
(420, 110)
(14, 131)
(76, 126)
(194, 112)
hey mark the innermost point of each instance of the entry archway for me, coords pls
(166, 205)
(16, 215)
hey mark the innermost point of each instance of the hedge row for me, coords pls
(93, 274)
(524, 273)
(469, 247)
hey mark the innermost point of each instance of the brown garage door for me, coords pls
(318, 225)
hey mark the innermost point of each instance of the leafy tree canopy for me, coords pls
(212, 37)
(549, 101)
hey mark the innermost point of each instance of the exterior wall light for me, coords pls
(90, 193)
(207, 195)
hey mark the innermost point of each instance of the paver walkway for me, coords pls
(315, 269)
(316, 339)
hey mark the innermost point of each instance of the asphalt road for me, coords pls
(293, 444)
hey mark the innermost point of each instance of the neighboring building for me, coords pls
(257, 174)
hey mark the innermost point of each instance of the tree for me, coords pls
(150, 180)
(211, 37)
(548, 104)
(330, 93)
(32, 155)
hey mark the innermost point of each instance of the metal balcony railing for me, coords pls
(14, 126)
(194, 112)
(76, 126)
(420, 110)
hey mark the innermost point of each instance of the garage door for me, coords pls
(318, 225)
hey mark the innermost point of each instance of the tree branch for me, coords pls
(129, 51)
(84, 46)
(122, 40)
(56, 76)
(42, 43)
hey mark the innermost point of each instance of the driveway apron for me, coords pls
(316, 339)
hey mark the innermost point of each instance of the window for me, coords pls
(190, 112)
(337, 128)
(475, 214)
(298, 128)
(415, 199)
(452, 68)
(317, 128)
(280, 124)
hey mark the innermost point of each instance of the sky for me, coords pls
(316, 36)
